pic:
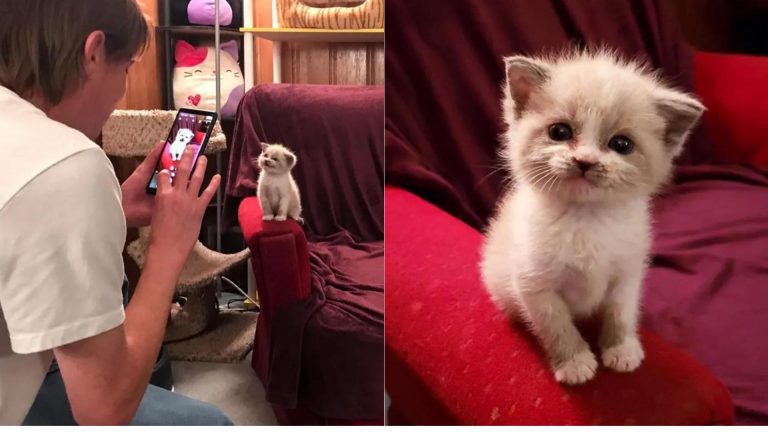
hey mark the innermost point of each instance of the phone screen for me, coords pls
(190, 129)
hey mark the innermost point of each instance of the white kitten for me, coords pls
(589, 140)
(183, 137)
(278, 193)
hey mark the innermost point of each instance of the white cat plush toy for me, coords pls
(194, 78)
(183, 137)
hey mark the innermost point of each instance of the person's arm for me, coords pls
(106, 375)
(63, 238)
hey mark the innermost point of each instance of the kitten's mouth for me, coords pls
(582, 180)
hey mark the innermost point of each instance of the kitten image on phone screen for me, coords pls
(590, 139)
(183, 137)
(277, 191)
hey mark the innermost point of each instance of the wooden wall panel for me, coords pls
(144, 80)
(262, 48)
(316, 62)
(376, 64)
(333, 63)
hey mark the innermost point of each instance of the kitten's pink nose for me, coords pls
(584, 165)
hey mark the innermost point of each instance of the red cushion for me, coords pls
(280, 262)
(453, 358)
(734, 88)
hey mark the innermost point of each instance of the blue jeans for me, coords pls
(158, 407)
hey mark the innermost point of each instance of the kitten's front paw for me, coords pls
(268, 217)
(578, 369)
(280, 218)
(624, 357)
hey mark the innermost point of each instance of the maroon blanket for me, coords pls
(707, 288)
(335, 132)
(707, 291)
(340, 331)
(444, 68)
(327, 350)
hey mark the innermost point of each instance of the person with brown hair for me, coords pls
(63, 218)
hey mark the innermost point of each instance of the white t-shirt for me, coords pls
(62, 232)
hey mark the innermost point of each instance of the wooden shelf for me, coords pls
(199, 31)
(316, 35)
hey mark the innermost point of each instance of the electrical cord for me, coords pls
(234, 285)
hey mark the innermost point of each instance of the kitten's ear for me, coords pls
(290, 159)
(264, 147)
(524, 76)
(680, 112)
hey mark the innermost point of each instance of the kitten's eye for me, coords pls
(621, 145)
(560, 132)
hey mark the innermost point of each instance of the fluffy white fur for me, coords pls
(183, 137)
(277, 191)
(567, 243)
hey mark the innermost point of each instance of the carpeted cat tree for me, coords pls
(133, 134)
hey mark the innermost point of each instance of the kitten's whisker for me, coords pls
(479, 182)
(538, 177)
(550, 182)
(541, 175)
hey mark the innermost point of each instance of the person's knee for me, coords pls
(211, 415)
(161, 407)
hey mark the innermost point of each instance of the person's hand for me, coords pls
(179, 208)
(138, 205)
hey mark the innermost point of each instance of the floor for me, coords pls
(233, 387)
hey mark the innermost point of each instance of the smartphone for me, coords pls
(191, 128)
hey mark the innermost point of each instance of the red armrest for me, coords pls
(279, 255)
(451, 357)
(734, 88)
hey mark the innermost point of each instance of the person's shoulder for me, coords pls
(85, 176)
(28, 131)
(87, 169)
(59, 140)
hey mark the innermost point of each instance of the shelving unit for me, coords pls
(198, 31)
(316, 35)
(279, 35)
(168, 33)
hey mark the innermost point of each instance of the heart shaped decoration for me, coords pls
(194, 100)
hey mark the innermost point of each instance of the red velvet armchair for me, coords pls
(319, 340)
(451, 357)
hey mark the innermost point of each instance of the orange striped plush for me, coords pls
(330, 14)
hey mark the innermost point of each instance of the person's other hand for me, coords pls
(179, 208)
(138, 205)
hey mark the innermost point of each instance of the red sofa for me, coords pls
(319, 339)
(451, 357)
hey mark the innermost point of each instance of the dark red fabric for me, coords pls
(339, 331)
(707, 290)
(452, 357)
(444, 70)
(734, 89)
(320, 341)
(336, 133)
(442, 123)
(280, 259)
